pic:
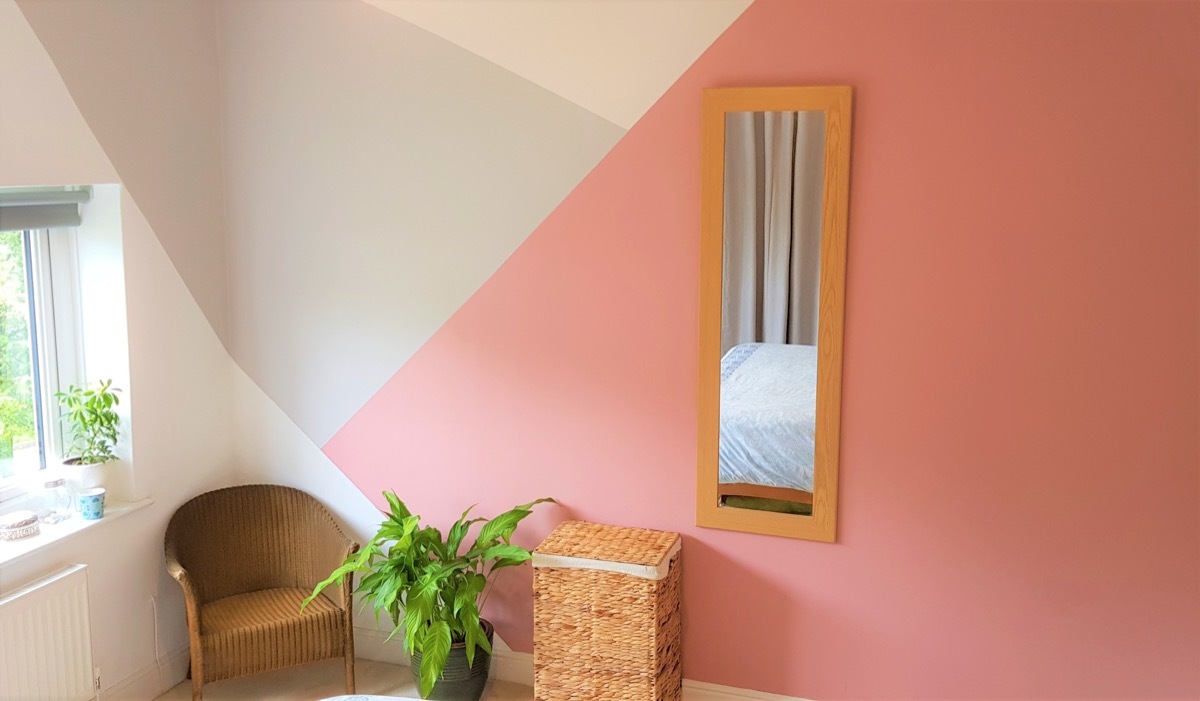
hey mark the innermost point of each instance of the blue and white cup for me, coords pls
(90, 503)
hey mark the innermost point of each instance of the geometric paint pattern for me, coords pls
(612, 58)
(983, 459)
(1019, 431)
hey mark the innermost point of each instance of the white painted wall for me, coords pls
(144, 74)
(191, 410)
(42, 135)
(102, 288)
(103, 324)
(272, 449)
(178, 389)
(181, 428)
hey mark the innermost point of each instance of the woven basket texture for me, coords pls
(597, 541)
(246, 558)
(607, 635)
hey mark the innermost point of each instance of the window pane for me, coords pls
(20, 451)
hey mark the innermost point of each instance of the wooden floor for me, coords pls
(324, 679)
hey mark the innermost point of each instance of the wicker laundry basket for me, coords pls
(606, 619)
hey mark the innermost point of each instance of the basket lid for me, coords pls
(637, 551)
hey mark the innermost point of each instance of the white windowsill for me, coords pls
(54, 532)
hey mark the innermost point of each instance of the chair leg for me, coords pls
(348, 649)
(196, 673)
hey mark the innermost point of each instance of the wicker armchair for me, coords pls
(246, 558)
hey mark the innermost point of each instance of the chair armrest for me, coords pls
(179, 573)
(348, 582)
(191, 599)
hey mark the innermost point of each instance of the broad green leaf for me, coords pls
(414, 620)
(360, 560)
(471, 630)
(401, 545)
(459, 531)
(501, 564)
(395, 629)
(435, 649)
(502, 526)
(398, 530)
(399, 510)
(425, 590)
(336, 576)
(371, 581)
(476, 583)
(385, 594)
(470, 591)
(472, 643)
(499, 528)
(535, 502)
(507, 552)
(475, 636)
(441, 569)
(430, 539)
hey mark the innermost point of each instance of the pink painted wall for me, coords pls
(1020, 483)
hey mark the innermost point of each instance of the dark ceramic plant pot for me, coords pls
(460, 681)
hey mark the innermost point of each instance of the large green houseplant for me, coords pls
(92, 428)
(433, 588)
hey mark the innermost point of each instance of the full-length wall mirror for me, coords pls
(776, 165)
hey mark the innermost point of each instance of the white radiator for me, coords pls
(46, 640)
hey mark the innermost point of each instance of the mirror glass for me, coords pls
(770, 309)
(774, 204)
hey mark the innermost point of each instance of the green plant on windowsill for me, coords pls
(435, 592)
(92, 422)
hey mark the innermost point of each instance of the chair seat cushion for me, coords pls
(262, 630)
(261, 608)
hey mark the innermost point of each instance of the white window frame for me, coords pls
(58, 334)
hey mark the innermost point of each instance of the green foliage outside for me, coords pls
(16, 376)
(421, 579)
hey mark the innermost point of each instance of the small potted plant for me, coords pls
(93, 425)
(433, 588)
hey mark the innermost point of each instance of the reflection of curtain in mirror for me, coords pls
(774, 174)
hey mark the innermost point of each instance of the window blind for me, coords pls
(41, 207)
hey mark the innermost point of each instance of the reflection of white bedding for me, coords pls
(768, 415)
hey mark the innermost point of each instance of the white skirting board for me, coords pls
(507, 665)
(517, 667)
(152, 680)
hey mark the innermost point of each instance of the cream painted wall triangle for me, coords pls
(612, 58)
(41, 150)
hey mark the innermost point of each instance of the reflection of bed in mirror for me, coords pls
(768, 421)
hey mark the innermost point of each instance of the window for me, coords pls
(39, 352)
(21, 447)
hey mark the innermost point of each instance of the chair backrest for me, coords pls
(241, 539)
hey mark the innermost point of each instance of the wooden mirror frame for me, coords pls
(835, 102)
